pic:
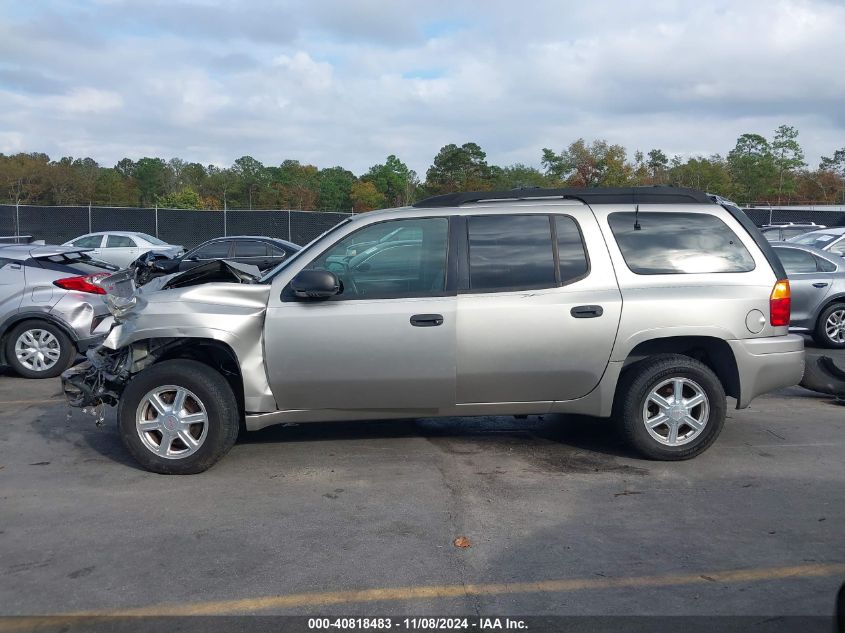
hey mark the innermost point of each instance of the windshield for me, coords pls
(268, 276)
(817, 239)
(152, 240)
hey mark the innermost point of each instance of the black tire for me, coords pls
(640, 379)
(820, 333)
(66, 348)
(215, 395)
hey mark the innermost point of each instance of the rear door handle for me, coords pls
(820, 284)
(586, 312)
(427, 320)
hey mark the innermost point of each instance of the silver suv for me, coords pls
(648, 304)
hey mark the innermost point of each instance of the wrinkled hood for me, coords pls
(216, 271)
(214, 284)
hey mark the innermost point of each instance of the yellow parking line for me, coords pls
(322, 599)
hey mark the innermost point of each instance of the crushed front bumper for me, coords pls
(99, 380)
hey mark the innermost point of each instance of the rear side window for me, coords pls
(665, 243)
(510, 252)
(250, 249)
(120, 241)
(795, 260)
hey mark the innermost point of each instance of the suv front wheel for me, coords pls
(178, 417)
(671, 407)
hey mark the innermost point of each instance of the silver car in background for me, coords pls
(121, 248)
(829, 239)
(50, 307)
(817, 280)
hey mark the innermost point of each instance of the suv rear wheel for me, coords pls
(830, 328)
(38, 349)
(178, 417)
(671, 407)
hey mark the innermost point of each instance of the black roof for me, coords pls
(588, 195)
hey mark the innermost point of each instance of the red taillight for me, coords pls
(83, 283)
(779, 302)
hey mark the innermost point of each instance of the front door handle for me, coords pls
(820, 284)
(427, 320)
(586, 312)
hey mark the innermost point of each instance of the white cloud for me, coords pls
(347, 83)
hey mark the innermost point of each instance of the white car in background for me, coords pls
(121, 248)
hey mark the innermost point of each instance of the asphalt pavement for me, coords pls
(361, 517)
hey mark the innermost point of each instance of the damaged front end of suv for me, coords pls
(213, 313)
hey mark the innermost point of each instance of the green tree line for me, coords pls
(756, 170)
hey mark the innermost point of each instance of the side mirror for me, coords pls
(315, 284)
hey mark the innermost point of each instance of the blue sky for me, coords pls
(336, 82)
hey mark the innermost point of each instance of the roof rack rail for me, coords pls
(657, 194)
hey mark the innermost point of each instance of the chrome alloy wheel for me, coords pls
(676, 411)
(171, 422)
(37, 350)
(834, 327)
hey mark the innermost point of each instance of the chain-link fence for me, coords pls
(188, 227)
(825, 217)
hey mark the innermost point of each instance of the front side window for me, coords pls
(661, 243)
(120, 241)
(510, 252)
(399, 258)
(91, 241)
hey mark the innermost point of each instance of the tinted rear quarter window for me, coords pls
(660, 243)
(570, 247)
(510, 252)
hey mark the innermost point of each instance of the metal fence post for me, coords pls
(89, 218)
(156, 215)
(225, 222)
(17, 218)
(290, 235)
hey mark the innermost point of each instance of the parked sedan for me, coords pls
(50, 307)
(787, 230)
(831, 240)
(121, 248)
(262, 252)
(817, 281)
